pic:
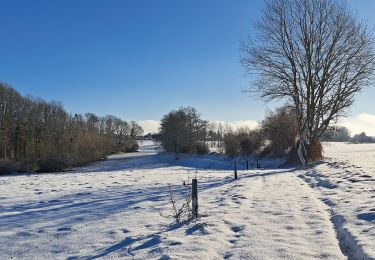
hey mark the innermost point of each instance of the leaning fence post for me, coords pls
(194, 197)
(235, 170)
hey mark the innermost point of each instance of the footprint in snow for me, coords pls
(370, 216)
(174, 243)
(124, 230)
(64, 229)
(24, 234)
(83, 193)
(112, 232)
(289, 227)
(197, 229)
(228, 255)
(237, 229)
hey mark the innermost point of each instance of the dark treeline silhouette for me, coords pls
(337, 134)
(342, 134)
(36, 135)
(362, 138)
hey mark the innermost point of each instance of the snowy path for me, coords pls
(346, 183)
(271, 215)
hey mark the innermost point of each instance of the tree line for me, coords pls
(342, 134)
(184, 131)
(36, 135)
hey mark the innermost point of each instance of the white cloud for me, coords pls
(360, 123)
(356, 124)
(150, 126)
(238, 124)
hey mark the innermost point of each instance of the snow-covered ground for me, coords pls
(346, 183)
(112, 209)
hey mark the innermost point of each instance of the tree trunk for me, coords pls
(309, 152)
(302, 152)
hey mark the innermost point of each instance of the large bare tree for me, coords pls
(314, 54)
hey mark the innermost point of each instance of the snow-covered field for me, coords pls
(346, 183)
(111, 209)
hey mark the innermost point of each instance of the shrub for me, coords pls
(53, 164)
(7, 166)
(265, 151)
(316, 151)
(280, 128)
(132, 148)
(202, 148)
(246, 146)
(232, 144)
(187, 148)
(179, 208)
(250, 142)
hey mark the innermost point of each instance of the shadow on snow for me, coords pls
(82, 207)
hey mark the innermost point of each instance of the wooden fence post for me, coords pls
(235, 170)
(194, 197)
(247, 164)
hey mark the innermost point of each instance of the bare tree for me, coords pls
(184, 131)
(316, 55)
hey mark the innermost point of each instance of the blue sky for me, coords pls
(137, 59)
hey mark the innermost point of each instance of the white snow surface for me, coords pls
(111, 209)
(345, 181)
